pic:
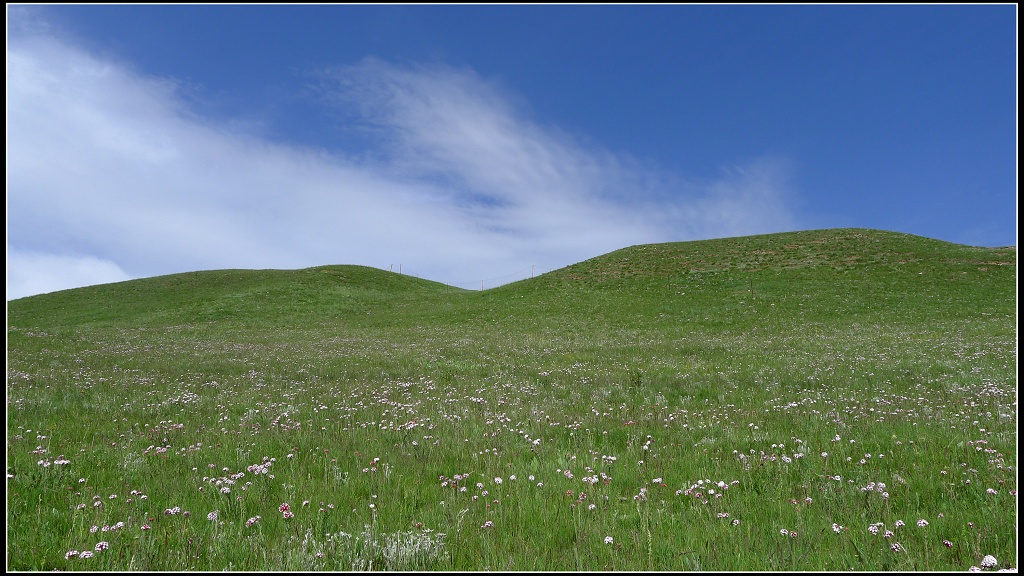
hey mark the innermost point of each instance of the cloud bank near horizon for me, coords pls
(112, 176)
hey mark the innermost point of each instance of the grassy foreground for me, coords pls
(824, 400)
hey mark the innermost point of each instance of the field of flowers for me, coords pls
(829, 400)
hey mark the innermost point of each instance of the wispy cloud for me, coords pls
(110, 174)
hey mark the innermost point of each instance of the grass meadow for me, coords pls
(824, 400)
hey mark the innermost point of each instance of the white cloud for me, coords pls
(29, 273)
(110, 165)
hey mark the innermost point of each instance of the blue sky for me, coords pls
(476, 143)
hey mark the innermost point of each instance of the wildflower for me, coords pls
(71, 554)
(900, 524)
(947, 543)
(991, 491)
(896, 547)
(591, 506)
(511, 478)
(736, 522)
(251, 521)
(212, 516)
(989, 562)
(922, 522)
(488, 524)
(784, 532)
(889, 534)
(94, 529)
(284, 507)
(85, 554)
(836, 528)
(531, 478)
(873, 529)
(104, 545)
(145, 527)
(609, 540)
(497, 481)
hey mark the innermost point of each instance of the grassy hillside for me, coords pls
(240, 295)
(796, 369)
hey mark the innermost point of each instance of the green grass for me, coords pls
(740, 361)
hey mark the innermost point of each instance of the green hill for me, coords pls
(844, 270)
(240, 295)
(678, 406)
